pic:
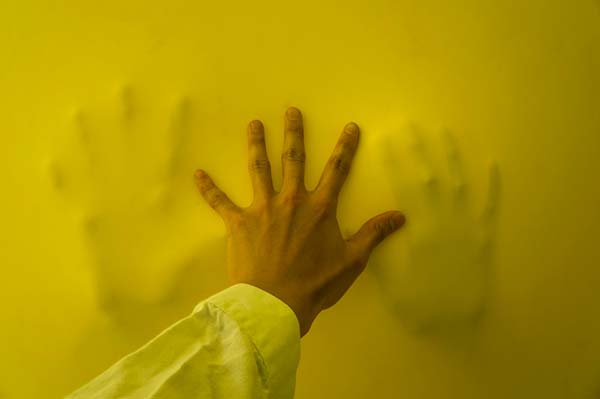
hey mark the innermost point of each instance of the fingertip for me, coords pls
(293, 114)
(200, 176)
(397, 220)
(352, 128)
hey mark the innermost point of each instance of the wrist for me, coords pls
(304, 314)
(303, 309)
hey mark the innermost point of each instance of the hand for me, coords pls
(289, 243)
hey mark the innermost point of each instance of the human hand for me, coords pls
(289, 243)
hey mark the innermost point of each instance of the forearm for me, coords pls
(239, 343)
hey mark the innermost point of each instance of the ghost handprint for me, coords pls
(122, 168)
(439, 276)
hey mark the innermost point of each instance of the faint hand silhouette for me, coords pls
(442, 277)
(122, 169)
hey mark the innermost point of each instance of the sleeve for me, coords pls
(241, 343)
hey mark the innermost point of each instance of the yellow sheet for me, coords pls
(480, 119)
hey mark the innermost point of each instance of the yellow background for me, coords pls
(108, 106)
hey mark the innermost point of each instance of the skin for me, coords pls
(289, 243)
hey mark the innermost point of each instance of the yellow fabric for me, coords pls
(240, 343)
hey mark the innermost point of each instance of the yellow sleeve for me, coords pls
(240, 343)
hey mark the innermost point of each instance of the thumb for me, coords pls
(376, 229)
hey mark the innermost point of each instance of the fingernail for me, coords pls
(293, 114)
(351, 128)
(397, 220)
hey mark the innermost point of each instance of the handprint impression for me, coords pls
(440, 278)
(122, 170)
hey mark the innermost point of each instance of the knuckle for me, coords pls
(215, 197)
(340, 164)
(206, 186)
(381, 230)
(256, 136)
(292, 198)
(294, 155)
(259, 165)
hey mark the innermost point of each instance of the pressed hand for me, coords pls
(289, 243)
